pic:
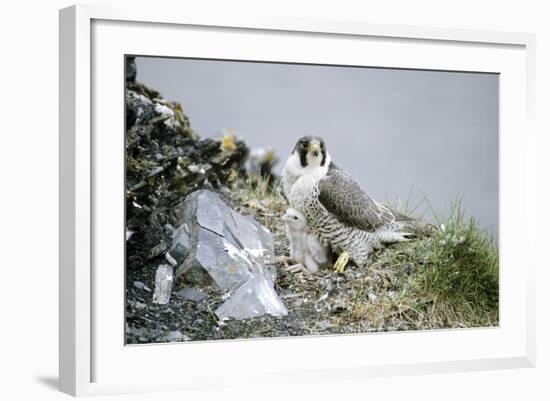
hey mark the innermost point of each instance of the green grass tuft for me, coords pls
(461, 271)
(452, 277)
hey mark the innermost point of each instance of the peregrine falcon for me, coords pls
(337, 210)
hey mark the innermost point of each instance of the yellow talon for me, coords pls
(341, 262)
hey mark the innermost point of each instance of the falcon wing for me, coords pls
(341, 195)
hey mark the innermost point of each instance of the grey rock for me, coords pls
(140, 331)
(141, 286)
(139, 109)
(158, 249)
(137, 304)
(175, 336)
(164, 279)
(227, 265)
(181, 244)
(191, 294)
(131, 70)
(256, 297)
(211, 212)
(216, 245)
(219, 245)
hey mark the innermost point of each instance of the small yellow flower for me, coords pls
(228, 140)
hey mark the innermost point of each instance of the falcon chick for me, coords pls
(337, 211)
(305, 250)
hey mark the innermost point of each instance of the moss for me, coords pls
(138, 167)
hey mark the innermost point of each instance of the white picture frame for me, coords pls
(93, 359)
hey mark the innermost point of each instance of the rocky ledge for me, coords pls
(184, 240)
(203, 226)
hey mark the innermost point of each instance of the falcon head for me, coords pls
(295, 219)
(311, 151)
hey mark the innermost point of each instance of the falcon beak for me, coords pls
(314, 148)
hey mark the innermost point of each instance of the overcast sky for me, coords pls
(394, 130)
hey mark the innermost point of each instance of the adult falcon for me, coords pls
(338, 212)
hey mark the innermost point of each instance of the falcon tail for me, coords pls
(402, 228)
(389, 237)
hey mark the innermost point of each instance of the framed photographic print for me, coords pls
(254, 192)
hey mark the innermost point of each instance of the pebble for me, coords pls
(141, 286)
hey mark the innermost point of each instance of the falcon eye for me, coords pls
(322, 144)
(304, 145)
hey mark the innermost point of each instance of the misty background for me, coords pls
(403, 134)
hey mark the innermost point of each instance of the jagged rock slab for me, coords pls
(191, 294)
(256, 297)
(216, 245)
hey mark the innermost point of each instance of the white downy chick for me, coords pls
(305, 249)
